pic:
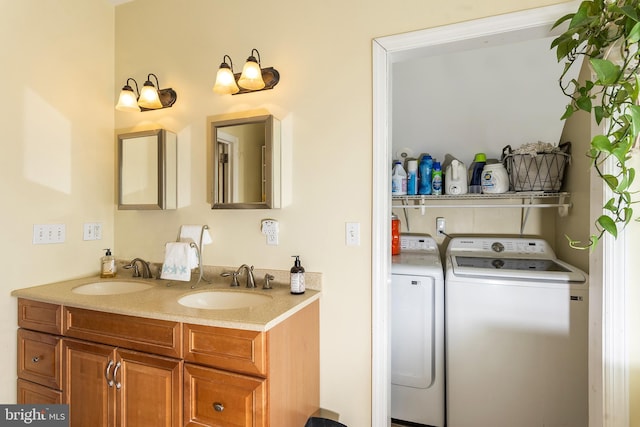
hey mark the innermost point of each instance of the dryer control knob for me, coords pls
(497, 247)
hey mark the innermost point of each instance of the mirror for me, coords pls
(147, 170)
(246, 161)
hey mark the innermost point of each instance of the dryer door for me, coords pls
(412, 331)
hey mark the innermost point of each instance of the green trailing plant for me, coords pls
(606, 34)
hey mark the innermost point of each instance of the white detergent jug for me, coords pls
(455, 178)
(495, 179)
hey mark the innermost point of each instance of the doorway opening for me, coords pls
(386, 51)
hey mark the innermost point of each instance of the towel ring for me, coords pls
(198, 247)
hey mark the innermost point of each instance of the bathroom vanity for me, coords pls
(141, 358)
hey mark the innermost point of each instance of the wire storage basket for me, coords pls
(538, 171)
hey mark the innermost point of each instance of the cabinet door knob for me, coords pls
(218, 407)
(106, 373)
(35, 359)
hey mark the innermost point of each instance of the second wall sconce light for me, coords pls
(149, 98)
(252, 79)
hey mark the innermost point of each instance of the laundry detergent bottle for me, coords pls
(425, 169)
(495, 179)
(455, 178)
(475, 173)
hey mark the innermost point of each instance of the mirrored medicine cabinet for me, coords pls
(147, 170)
(246, 161)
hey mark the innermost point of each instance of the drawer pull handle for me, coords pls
(218, 407)
(35, 359)
(115, 372)
(106, 373)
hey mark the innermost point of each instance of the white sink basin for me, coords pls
(109, 287)
(223, 300)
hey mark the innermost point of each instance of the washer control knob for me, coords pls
(497, 247)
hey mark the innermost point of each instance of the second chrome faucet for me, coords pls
(251, 281)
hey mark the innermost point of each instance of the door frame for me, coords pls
(606, 379)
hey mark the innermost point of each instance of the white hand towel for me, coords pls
(177, 261)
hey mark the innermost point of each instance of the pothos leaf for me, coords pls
(584, 103)
(610, 205)
(599, 113)
(606, 70)
(608, 225)
(567, 112)
(611, 181)
(634, 113)
(628, 214)
(601, 143)
(634, 35)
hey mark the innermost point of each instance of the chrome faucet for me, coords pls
(146, 269)
(251, 281)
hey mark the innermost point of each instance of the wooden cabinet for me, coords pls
(39, 353)
(111, 371)
(117, 370)
(119, 387)
(253, 379)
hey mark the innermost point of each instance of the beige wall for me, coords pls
(323, 53)
(57, 151)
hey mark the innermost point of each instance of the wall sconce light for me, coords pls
(252, 79)
(149, 98)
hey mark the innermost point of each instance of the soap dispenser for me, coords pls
(108, 265)
(297, 277)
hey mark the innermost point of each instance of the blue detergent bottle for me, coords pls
(475, 173)
(425, 168)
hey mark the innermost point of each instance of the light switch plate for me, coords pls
(352, 234)
(44, 234)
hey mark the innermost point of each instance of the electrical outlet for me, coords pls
(270, 228)
(440, 226)
(92, 231)
(352, 234)
(272, 239)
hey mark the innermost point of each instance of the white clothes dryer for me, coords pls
(516, 335)
(417, 332)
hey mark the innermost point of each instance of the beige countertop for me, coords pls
(160, 301)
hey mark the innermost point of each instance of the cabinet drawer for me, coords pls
(232, 349)
(35, 394)
(137, 333)
(40, 358)
(223, 399)
(40, 316)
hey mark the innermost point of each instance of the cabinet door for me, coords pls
(86, 387)
(148, 390)
(216, 398)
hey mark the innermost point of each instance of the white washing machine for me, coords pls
(417, 332)
(516, 335)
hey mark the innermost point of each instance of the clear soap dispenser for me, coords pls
(108, 265)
